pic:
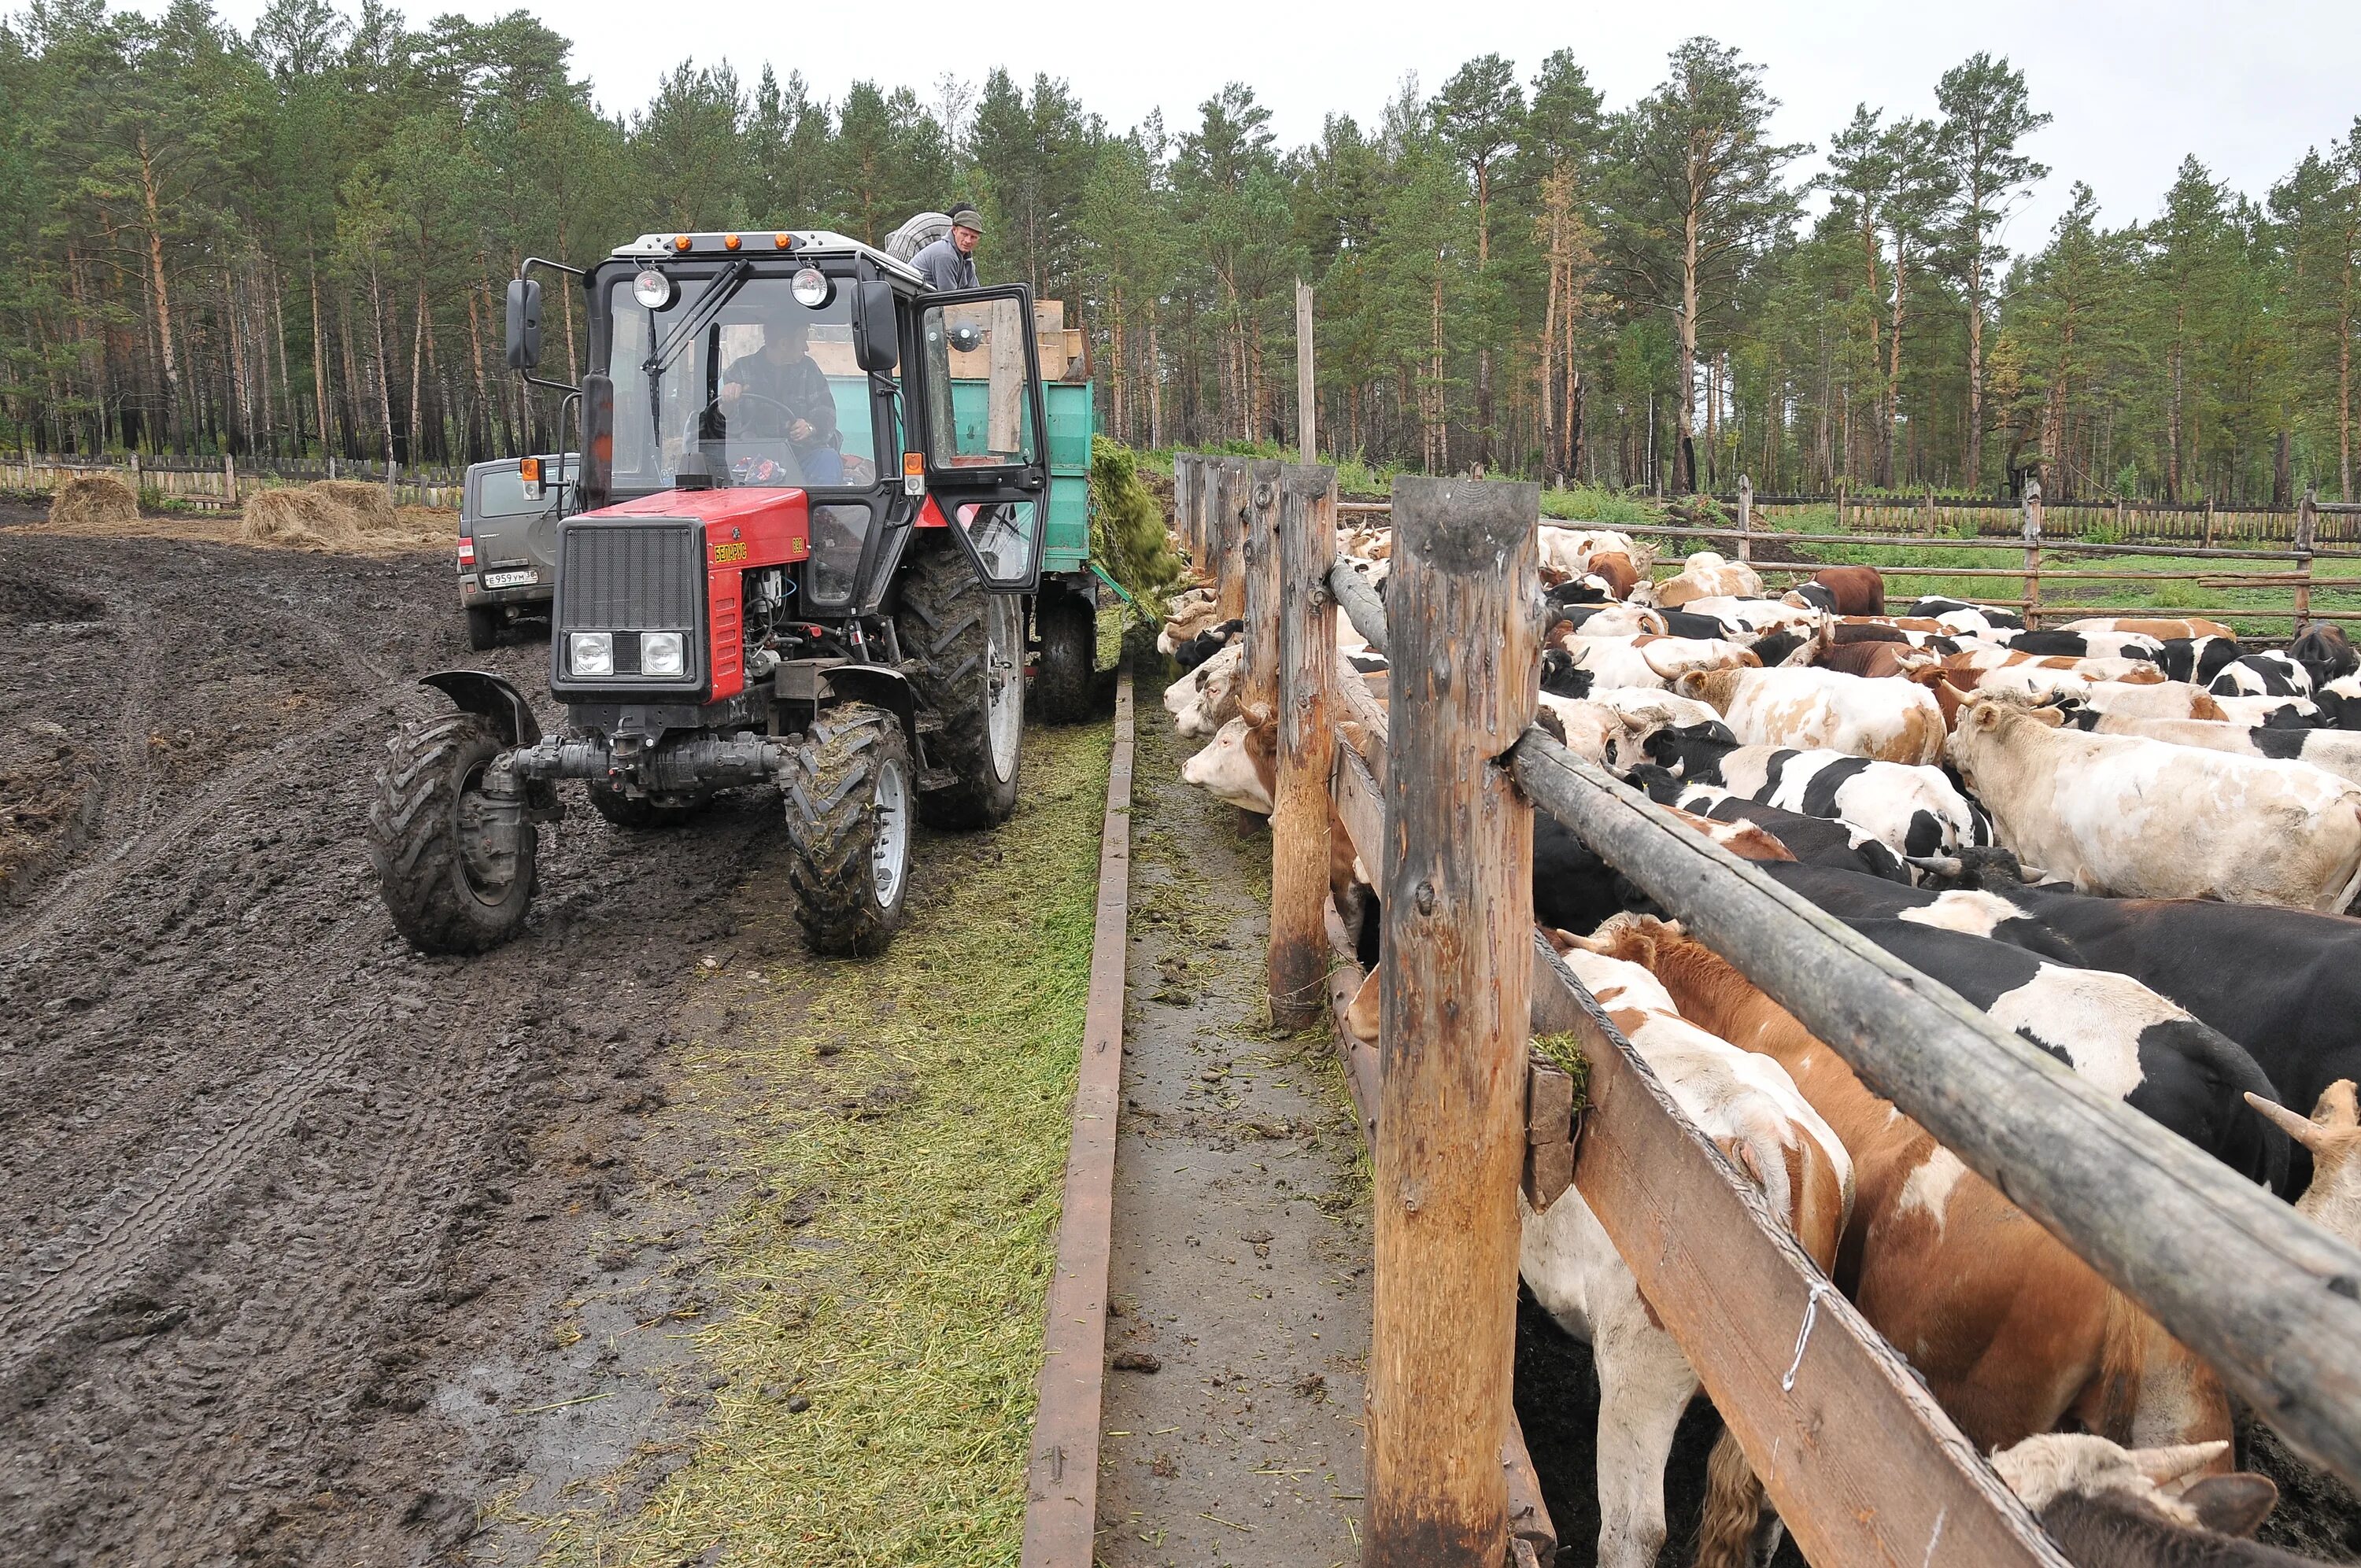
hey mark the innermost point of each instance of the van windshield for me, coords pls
(768, 393)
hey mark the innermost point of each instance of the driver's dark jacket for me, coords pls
(799, 385)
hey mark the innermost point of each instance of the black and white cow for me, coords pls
(2262, 675)
(2058, 643)
(1819, 840)
(1959, 615)
(1912, 810)
(2197, 659)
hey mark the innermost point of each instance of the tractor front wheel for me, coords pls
(969, 645)
(850, 788)
(455, 867)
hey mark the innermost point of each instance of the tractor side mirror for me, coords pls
(598, 467)
(524, 323)
(876, 336)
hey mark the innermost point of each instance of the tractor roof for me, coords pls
(768, 242)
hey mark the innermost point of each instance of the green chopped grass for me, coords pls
(1565, 1053)
(908, 1312)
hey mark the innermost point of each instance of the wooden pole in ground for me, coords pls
(1307, 382)
(2209, 522)
(1928, 525)
(1258, 565)
(1456, 992)
(2032, 553)
(1745, 518)
(1185, 479)
(1305, 542)
(1224, 544)
(2307, 522)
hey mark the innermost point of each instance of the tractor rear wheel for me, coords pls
(1065, 687)
(638, 811)
(454, 875)
(970, 645)
(850, 788)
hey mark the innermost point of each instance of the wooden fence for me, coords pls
(1931, 517)
(223, 484)
(1435, 793)
(2041, 555)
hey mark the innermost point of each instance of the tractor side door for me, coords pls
(982, 429)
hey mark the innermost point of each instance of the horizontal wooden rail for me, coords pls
(1360, 604)
(2272, 1300)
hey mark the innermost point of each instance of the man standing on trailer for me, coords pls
(949, 262)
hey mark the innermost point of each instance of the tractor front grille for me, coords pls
(626, 578)
(636, 577)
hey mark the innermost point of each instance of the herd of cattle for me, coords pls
(2131, 841)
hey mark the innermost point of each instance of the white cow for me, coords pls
(1202, 701)
(1236, 767)
(1748, 1105)
(2333, 750)
(1707, 574)
(1891, 720)
(2141, 818)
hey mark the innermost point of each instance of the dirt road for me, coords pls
(271, 1177)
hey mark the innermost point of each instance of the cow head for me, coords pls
(1562, 674)
(2333, 1138)
(2323, 650)
(1238, 767)
(1778, 647)
(1717, 688)
(2168, 1487)
(1692, 751)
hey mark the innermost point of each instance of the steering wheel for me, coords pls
(787, 416)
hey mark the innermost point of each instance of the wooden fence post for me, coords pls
(229, 479)
(1226, 543)
(2307, 522)
(1259, 564)
(1183, 476)
(1305, 544)
(1204, 473)
(1307, 380)
(1455, 1020)
(1927, 527)
(1840, 505)
(2032, 554)
(2209, 522)
(1745, 518)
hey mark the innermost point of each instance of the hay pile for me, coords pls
(342, 514)
(92, 503)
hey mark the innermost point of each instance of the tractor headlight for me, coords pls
(590, 652)
(654, 289)
(811, 288)
(663, 653)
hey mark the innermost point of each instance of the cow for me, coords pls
(2324, 653)
(1747, 1105)
(1939, 1261)
(2340, 703)
(2284, 983)
(1611, 728)
(1893, 721)
(1196, 650)
(1568, 552)
(2131, 671)
(1753, 617)
(2108, 1506)
(1202, 701)
(1912, 811)
(1633, 621)
(1814, 840)
(2282, 712)
(2197, 659)
(1189, 613)
(2261, 675)
(1236, 766)
(1871, 661)
(1651, 662)
(2134, 818)
(1959, 615)
(1842, 590)
(2331, 1137)
(2049, 643)
(2165, 699)
(2165, 628)
(1706, 575)
(2334, 751)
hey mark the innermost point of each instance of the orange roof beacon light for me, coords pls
(729, 242)
(783, 242)
(680, 242)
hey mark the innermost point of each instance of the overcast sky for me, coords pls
(2247, 87)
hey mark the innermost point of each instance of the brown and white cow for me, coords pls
(2139, 819)
(1707, 574)
(2163, 629)
(1846, 590)
(1893, 721)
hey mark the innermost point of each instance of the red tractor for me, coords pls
(796, 553)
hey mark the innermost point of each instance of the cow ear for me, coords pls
(2048, 716)
(2338, 1109)
(2234, 1505)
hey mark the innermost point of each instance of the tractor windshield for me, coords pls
(766, 392)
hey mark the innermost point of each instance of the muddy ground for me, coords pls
(274, 1182)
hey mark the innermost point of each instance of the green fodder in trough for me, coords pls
(93, 502)
(881, 1310)
(1127, 534)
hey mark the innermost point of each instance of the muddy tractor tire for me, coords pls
(1065, 683)
(638, 812)
(449, 879)
(970, 648)
(850, 790)
(483, 627)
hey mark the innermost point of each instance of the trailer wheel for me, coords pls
(638, 811)
(483, 627)
(1065, 685)
(454, 875)
(970, 645)
(850, 788)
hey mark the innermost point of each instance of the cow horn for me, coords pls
(2303, 1129)
(1941, 865)
(2167, 1464)
(2031, 874)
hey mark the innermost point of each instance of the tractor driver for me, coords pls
(786, 395)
